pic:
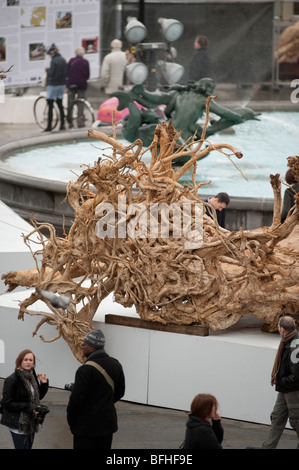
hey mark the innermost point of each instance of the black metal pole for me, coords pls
(141, 11)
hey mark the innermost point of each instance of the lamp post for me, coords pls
(153, 56)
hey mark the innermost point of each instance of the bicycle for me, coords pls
(81, 115)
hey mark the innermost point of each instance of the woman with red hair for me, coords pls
(22, 392)
(203, 428)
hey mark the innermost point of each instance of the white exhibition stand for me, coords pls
(169, 369)
(19, 109)
(162, 369)
(14, 254)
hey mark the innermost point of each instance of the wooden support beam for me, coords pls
(196, 330)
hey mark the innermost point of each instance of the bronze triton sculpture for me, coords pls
(185, 105)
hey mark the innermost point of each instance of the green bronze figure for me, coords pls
(185, 105)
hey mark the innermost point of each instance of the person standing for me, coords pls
(99, 384)
(288, 198)
(113, 68)
(219, 203)
(203, 428)
(22, 392)
(56, 79)
(78, 72)
(285, 378)
(200, 63)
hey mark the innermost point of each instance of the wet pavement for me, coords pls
(142, 427)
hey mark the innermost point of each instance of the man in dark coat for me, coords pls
(91, 413)
(219, 203)
(200, 63)
(285, 377)
(289, 195)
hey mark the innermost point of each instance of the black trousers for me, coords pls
(50, 113)
(90, 442)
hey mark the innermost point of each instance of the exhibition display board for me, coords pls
(28, 27)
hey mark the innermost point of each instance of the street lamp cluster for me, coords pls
(144, 68)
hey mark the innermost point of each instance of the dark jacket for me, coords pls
(287, 379)
(220, 215)
(16, 399)
(78, 72)
(57, 72)
(200, 65)
(288, 200)
(91, 410)
(201, 435)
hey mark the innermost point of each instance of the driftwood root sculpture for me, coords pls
(212, 277)
(288, 44)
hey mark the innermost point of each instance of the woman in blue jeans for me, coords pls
(56, 79)
(22, 392)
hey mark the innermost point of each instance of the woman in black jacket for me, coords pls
(200, 434)
(22, 392)
(56, 79)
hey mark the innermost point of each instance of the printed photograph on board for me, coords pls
(90, 45)
(33, 16)
(2, 49)
(37, 51)
(63, 19)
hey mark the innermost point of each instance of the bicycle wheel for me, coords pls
(82, 114)
(40, 111)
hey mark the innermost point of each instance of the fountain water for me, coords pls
(265, 146)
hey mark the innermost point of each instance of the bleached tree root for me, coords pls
(214, 282)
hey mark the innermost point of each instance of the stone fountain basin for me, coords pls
(44, 198)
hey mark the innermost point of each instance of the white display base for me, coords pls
(19, 109)
(14, 254)
(161, 368)
(169, 369)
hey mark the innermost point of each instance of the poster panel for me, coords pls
(27, 27)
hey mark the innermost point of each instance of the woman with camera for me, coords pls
(22, 392)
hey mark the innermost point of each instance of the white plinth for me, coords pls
(162, 369)
(19, 109)
(169, 369)
(14, 254)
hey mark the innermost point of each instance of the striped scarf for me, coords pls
(280, 349)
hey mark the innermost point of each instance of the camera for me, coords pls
(42, 410)
(69, 387)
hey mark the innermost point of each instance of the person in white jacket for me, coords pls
(113, 67)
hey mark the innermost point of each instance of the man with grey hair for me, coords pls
(113, 67)
(78, 73)
(285, 377)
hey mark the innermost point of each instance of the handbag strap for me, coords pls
(100, 369)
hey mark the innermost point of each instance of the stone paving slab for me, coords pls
(141, 427)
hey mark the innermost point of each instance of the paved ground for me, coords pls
(141, 427)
